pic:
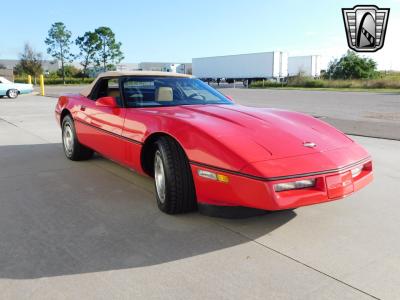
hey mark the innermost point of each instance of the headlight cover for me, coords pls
(356, 171)
(294, 185)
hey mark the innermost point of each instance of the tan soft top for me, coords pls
(87, 90)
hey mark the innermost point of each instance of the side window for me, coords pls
(107, 87)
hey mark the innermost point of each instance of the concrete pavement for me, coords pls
(92, 230)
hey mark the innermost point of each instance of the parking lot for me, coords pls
(84, 230)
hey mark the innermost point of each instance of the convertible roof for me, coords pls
(86, 91)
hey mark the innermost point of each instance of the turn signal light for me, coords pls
(222, 178)
(213, 176)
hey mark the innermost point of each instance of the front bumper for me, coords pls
(248, 191)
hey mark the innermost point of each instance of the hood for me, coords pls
(281, 133)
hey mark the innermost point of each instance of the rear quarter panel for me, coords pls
(70, 103)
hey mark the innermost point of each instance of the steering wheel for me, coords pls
(192, 96)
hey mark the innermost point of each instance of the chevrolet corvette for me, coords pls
(203, 149)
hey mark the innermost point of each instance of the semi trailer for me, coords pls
(244, 67)
(309, 65)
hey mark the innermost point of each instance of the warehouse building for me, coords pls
(185, 68)
(48, 65)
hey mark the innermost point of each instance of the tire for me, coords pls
(173, 179)
(12, 93)
(72, 148)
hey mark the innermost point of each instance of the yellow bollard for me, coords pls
(29, 79)
(41, 85)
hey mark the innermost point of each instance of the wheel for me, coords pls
(12, 93)
(72, 148)
(173, 179)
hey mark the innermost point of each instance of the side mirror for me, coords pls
(107, 102)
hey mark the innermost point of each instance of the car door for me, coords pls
(3, 90)
(99, 127)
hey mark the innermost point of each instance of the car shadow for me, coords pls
(59, 217)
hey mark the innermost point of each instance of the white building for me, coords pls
(185, 68)
(127, 67)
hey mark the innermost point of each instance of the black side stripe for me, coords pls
(281, 177)
(337, 170)
(108, 132)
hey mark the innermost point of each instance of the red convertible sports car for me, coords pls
(201, 148)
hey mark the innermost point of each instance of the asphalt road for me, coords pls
(86, 230)
(359, 113)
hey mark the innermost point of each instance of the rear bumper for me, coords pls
(242, 190)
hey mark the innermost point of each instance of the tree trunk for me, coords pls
(86, 66)
(62, 64)
(104, 56)
(63, 70)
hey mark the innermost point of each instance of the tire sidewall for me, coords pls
(67, 121)
(167, 173)
(180, 194)
(12, 90)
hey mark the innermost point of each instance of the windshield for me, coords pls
(169, 91)
(3, 80)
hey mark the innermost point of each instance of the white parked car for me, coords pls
(12, 90)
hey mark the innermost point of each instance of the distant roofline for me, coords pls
(140, 73)
(265, 52)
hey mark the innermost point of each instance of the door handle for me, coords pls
(83, 108)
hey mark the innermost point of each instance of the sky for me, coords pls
(178, 30)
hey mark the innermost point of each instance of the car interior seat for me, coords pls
(113, 93)
(116, 94)
(164, 93)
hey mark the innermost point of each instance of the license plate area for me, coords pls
(339, 185)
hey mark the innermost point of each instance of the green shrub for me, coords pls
(54, 81)
(391, 81)
(383, 83)
(267, 83)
